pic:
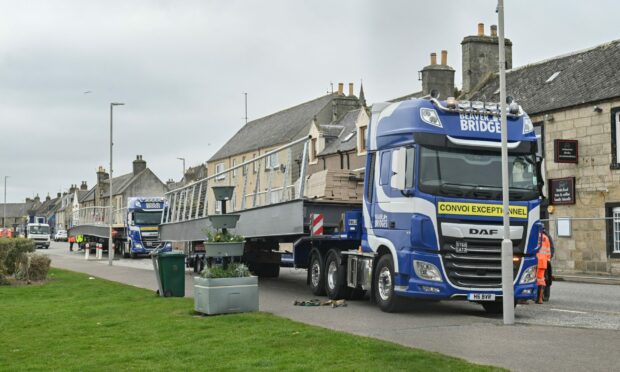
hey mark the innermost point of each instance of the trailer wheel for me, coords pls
(316, 278)
(335, 277)
(385, 296)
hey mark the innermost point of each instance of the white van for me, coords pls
(39, 233)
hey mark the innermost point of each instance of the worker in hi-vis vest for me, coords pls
(543, 256)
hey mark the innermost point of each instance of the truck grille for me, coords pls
(150, 241)
(480, 266)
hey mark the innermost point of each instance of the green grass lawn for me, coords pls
(73, 323)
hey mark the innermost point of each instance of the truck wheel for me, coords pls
(315, 275)
(385, 296)
(125, 249)
(335, 277)
(495, 307)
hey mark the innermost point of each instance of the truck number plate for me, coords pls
(481, 297)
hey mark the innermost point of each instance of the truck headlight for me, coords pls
(426, 270)
(529, 275)
(138, 245)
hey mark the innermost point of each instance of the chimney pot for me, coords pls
(350, 89)
(340, 89)
(444, 57)
(494, 30)
(433, 58)
(480, 29)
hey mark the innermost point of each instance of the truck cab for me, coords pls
(143, 219)
(433, 203)
(39, 233)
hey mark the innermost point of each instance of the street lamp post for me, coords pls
(4, 214)
(110, 218)
(507, 254)
(183, 160)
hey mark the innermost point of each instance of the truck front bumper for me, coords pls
(413, 286)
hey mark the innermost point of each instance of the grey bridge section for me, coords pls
(288, 218)
(101, 231)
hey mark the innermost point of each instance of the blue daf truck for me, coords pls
(141, 227)
(430, 223)
(431, 220)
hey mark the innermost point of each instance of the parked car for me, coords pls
(61, 235)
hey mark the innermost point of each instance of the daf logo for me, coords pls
(483, 231)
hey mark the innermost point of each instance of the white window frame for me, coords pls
(254, 164)
(234, 163)
(271, 161)
(220, 167)
(617, 125)
(616, 229)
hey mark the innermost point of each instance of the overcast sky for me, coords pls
(181, 68)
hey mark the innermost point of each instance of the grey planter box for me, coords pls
(223, 192)
(223, 249)
(225, 295)
(224, 221)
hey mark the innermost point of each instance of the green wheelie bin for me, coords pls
(171, 269)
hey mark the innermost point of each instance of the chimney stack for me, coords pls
(340, 89)
(480, 56)
(439, 77)
(101, 175)
(48, 197)
(84, 186)
(350, 89)
(58, 195)
(138, 165)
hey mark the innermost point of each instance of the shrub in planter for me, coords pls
(223, 237)
(14, 252)
(233, 270)
(34, 267)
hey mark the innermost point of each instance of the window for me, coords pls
(385, 168)
(612, 212)
(254, 164)
(615, 138)
(362, 139)
(234, 172)
(616, 222)
(219, 168)
(540, 139)
(244, 171)
(271, 161)
(313, 149)
(409, 168)
(371, 177)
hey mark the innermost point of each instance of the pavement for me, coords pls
(577, 330)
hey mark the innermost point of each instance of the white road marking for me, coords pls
(569, 311)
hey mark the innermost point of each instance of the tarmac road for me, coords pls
(576, 330)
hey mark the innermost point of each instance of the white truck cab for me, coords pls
(39, 233)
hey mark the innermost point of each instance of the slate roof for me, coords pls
(118, 186)
(347, 125)
(280, 127)
(16, 209)
(589, 75)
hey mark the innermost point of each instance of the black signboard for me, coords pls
(566, 151)
(562, 190)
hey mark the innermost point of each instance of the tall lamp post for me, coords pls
(110, 218)
(4, 215)
(507, 274)
(183, 160)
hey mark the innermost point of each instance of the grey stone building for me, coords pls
(140, 182)
(574, 101)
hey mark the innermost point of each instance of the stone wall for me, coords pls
(595, 185)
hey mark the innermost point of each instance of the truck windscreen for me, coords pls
(476, 174)
(147, 218)
(39, 229)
